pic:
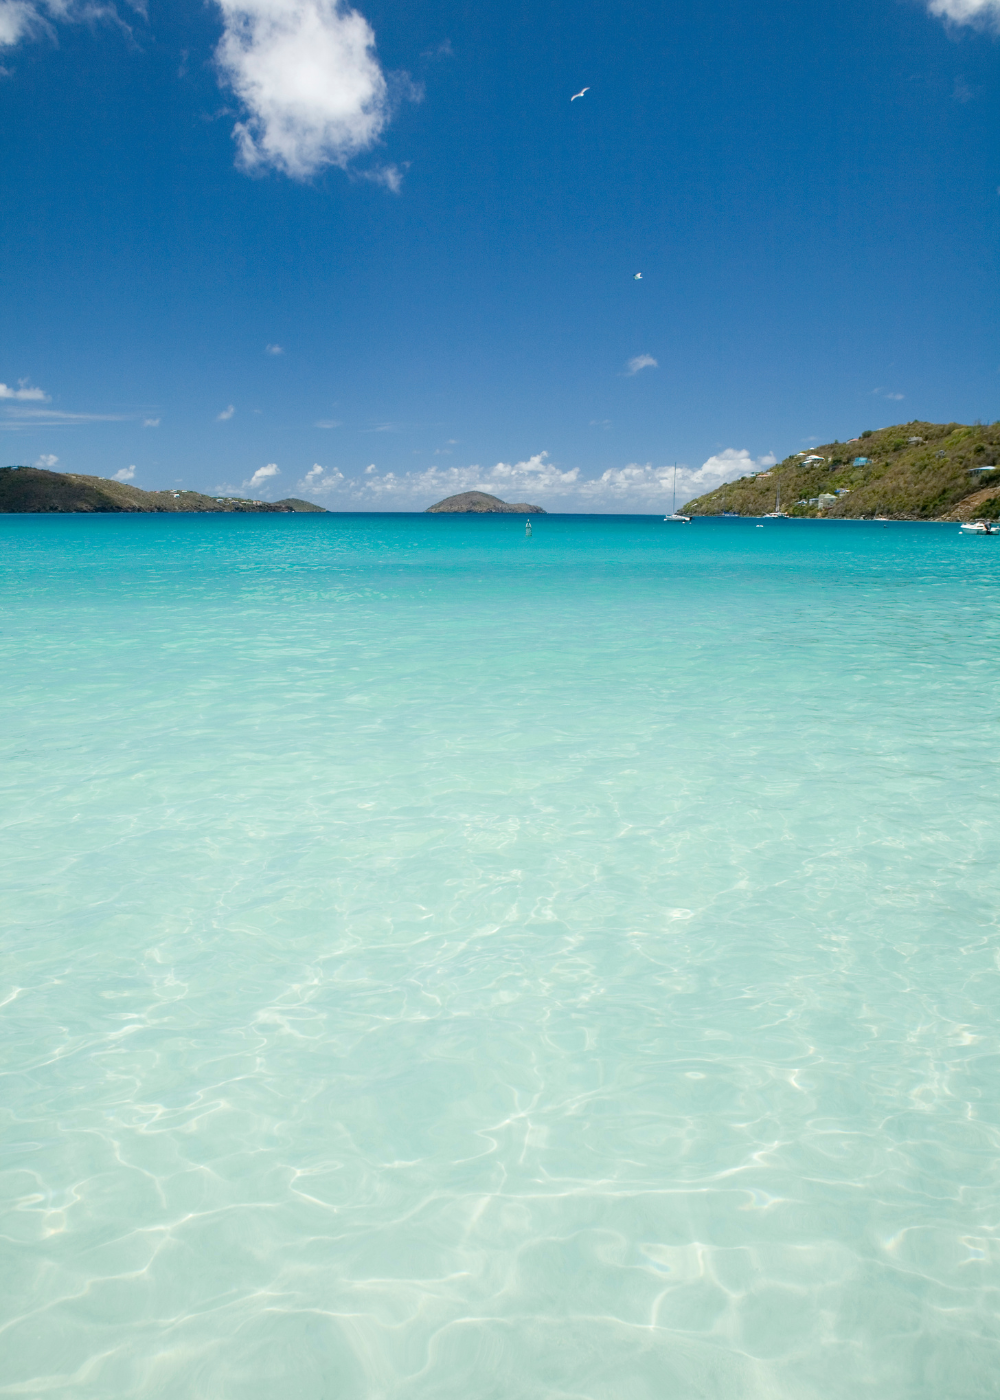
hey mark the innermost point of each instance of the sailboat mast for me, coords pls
(674, 507)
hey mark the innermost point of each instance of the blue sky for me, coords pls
(378, 255)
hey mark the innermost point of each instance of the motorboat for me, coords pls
(676, 516)
(979, 527)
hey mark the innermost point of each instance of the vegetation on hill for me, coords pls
(480, 503)
(914, 471)
(32, 490)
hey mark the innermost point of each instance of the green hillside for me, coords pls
(915, 471)
(32, 490)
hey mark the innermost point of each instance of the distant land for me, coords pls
(31, 490)
(480, 503)
(913, 471)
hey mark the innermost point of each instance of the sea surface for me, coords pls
(442, 965)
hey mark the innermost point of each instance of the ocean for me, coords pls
(441, 964)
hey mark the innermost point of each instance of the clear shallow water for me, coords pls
(439, 964)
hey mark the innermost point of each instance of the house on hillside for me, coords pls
(862, 461)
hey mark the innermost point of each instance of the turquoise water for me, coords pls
(440, 964)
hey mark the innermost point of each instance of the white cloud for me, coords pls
(318, 481)
(391, 176)
(17, 19)
(261, 476)
(638, 487)
(274, 349)
(307, 73)
(25, 19)
(981, 13)
(47, 460)
(18, 417)
(329, 423)
(225, 415)
(634, 487)
(125, 473)
(24, 391)
(639, 362)
(151, 422)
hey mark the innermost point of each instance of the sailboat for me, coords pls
(681, 519)
(777, 513)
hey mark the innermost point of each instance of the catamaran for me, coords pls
(777, 513)
(681, 519)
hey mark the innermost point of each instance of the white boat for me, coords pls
(777, 513)
(979, 527)
(680, 519)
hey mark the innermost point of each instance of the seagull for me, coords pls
(579, 94)
(637, 277)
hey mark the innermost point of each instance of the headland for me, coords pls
(32, 490)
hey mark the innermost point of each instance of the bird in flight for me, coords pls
(637, 277)
(579, 94)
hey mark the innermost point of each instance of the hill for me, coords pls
(913, 471)
(480, 503)
(32, 490)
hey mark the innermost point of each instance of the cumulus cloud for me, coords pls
(307, 74)
(639, 362)
(225, 415)
(274, 349)
(319, 481)
(125, 473)
(24, 392)
(47, 460)
(638, 487)
(984, 14)
(261, 476)
(635, 488)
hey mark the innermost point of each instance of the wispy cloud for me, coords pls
(125, 473)
(47, 460)
(22, 418)
(442, 50)
(885, 394)
(983, 14)
(274, 349)
(261, 477)
(29, 19)
(639, 362)
(151, 422)
(24, 391)
(391, 176)
(329, 423)
(225, 415)
(307, 74)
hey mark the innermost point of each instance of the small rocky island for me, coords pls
(480, 503)
(30, 490)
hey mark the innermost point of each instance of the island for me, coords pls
(31, 490)
(480, 503)
(912, 471)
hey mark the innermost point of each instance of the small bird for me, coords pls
(579, 94)
(637, 277)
